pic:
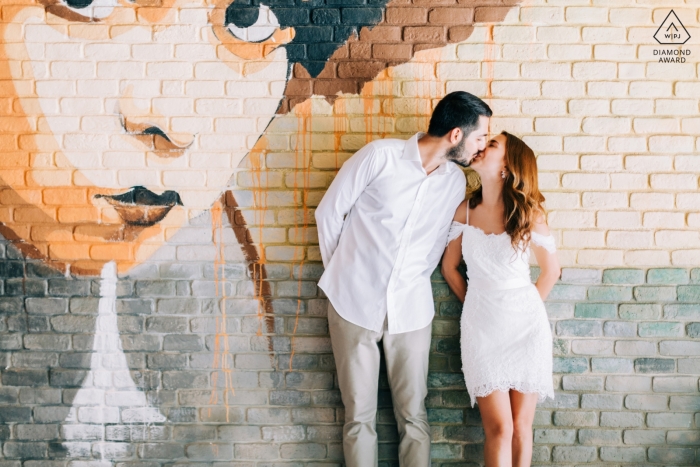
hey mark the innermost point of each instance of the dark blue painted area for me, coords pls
(321, 26)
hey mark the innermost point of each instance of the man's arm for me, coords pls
(352, 179)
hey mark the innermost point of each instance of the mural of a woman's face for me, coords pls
(115, 94)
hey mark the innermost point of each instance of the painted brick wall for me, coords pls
(216, 352)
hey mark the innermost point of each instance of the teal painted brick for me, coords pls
(693, 330)
(612, 365)
(567, 292)
(682, 311)
(695, 276)
(446, 380)
(570, 365)
(596, 310)
(620, 329)
(655, 293)
(642, 311)
(660, 329)
(654, 365)
(445, 415)
(559, 310)
(671, 455)
(579, 328)
(445, 451)
(610, 293)
(450, 309)
(668, 276)
(441, 291)
(689, 293)
(623, 276)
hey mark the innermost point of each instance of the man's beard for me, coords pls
(456, 154)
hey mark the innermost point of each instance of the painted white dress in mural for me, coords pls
(506, 340)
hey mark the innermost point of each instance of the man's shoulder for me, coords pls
(387, 144)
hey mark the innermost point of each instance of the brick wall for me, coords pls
(217, 351)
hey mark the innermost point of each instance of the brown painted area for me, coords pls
(409, 26)
(255, 264)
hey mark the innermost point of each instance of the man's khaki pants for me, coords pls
(356, 352)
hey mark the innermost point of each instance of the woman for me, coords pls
(506, 338)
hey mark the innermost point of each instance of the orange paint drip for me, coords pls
(368, 104)
(340, 126)
(489, 58)
(223, 359)
(302, 164)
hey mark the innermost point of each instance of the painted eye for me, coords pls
(95, 9)
(250, 23)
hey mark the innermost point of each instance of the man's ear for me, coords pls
(455, 135)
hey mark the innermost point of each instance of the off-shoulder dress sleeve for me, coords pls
(456, 230)
(545, 241)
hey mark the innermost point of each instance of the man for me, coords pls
(382, 228)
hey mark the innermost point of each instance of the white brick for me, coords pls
(564, 89)
(569, 51)
(544, 107)
(556, 200)
(632, 107)
(589, 107)
(537, 14)
(688, 201)
(647, 201)
(601, 257)
(592, 347)
(601, 163)
(656, 125)
(603, 34)
(607, 89)
(568, 219)
(674, 181)
(584, 181)
(676, 107)
(515, 88)
(648, 89)
(627, 144)
(617, 52)
(630, 239)
(685, 258)
(673, 239)
(605, 200)
(544, 143)
(545, 70)
(518, 51)
(557, 125)
(584, 238)
(595, 70)
(681, 71)
(606, 125)
(618, 219)
(513, 34)
(664, 219)
(577, 144)
(558, 34)
(586, 15)
(648, 164)
(665, 144)
(647, 258)
(557, 162)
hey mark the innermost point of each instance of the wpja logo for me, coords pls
(672, 32)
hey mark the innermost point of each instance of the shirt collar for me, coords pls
(411, 153)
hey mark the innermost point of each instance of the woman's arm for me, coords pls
(547, 261)
(453, 257)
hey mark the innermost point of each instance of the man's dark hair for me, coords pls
(321, 26)
(458, 109)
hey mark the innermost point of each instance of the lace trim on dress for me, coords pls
(505, 386)
(456, 230)
(545, 241)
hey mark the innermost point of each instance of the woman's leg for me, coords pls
(523, 408)
(498, 427)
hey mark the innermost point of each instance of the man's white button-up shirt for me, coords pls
(382, 228)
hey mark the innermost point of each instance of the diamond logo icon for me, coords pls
(672, 31)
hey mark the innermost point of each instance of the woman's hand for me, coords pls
(453, 257)
(548, 262)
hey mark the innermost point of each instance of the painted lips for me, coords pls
(141, 207)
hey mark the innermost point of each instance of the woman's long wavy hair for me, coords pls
(521, 194)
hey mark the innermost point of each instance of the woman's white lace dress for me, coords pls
(506, 338)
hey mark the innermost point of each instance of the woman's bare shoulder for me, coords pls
(539, 223)
(461, 212)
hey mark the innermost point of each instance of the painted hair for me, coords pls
(521, 194)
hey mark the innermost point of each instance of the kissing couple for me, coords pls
(394, 209)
